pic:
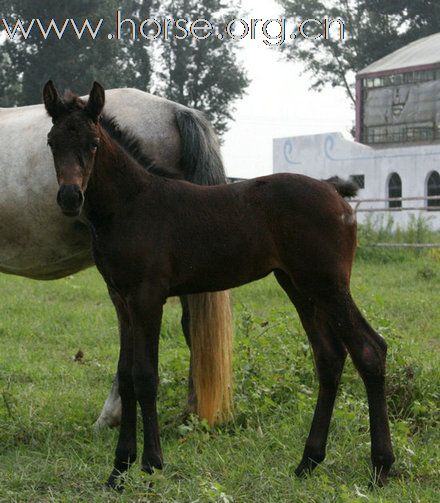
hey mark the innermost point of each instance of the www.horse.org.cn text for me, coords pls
(272, 32)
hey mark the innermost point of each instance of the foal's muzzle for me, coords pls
(70, 199)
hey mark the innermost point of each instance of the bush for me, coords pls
(383, 230)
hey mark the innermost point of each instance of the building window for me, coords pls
(359, 180)
(401, 78)
(402, 133)
(395, 108)
(433, 189)
(394, 190)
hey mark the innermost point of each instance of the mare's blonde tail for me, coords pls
(211, 353)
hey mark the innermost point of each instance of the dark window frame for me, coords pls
(394, 189)
(433, 189)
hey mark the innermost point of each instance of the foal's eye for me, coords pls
(93, 147)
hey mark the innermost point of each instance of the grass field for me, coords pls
(48, 401)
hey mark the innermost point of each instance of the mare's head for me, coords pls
(74, 140)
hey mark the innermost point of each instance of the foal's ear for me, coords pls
(52, 100)
(96, 101)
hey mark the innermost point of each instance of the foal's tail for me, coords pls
(345, 188)
(210, 313)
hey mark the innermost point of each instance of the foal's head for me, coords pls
(74, 140)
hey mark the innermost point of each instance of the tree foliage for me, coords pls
(70, 61)
(374, 28)
(203, 74)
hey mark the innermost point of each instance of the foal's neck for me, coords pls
(115, 180)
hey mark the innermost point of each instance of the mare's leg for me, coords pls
(329, 354)
(126, 447)
(192, 399)
(146, 306)
(111, 411)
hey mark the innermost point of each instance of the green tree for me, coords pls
(203, 74)
(9, 88)
(71, 62)
(374, 28)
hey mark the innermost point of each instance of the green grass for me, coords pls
(48, 402)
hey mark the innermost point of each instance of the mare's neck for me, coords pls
(116, 179)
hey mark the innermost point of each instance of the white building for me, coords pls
(397, 149)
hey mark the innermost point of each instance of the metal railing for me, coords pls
(358, 202)
(357, 209)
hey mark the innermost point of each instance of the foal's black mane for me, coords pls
(124, 138)
(127, 141)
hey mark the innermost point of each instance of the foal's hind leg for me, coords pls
(368, 352)
(329, 354)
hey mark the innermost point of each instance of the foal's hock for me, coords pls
(155, 237)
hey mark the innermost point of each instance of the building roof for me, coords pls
(425, 51)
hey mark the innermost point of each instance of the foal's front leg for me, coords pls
(146, 307)
(111, 412)
(126, 448)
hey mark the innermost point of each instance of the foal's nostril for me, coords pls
(70, 198)
(79, 197)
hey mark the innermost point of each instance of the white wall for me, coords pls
(326, 155)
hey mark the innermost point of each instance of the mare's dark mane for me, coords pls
(124, 138)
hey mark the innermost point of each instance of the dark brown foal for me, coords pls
(154, 238)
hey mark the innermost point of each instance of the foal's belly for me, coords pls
(213, 283)
(221, 271)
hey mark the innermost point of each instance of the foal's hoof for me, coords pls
(115, 483)
(151, 462)
(305, 468)
(381, 469)
(380, 478)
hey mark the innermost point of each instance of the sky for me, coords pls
(278, 104)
